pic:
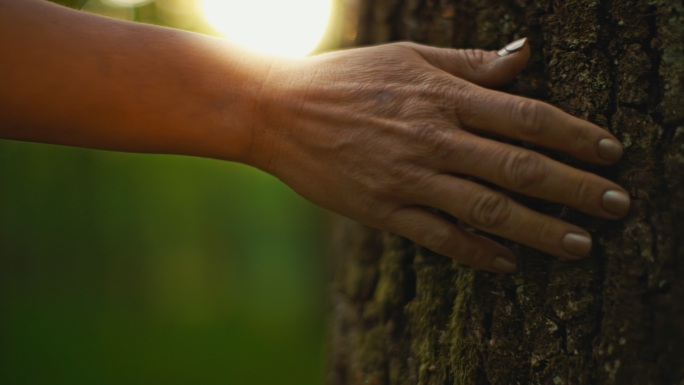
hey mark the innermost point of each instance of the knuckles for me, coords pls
(466, 99)
(586, 190)
(474, 59)
(490, 210)
(527, 112)
(432, 140)
(399, 174)
(524, 170)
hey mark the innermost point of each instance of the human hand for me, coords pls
(387, 134)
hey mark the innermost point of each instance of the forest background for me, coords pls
(123, 268)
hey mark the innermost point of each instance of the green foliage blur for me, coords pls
(150, 269)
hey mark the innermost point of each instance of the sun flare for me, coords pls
(290, 28)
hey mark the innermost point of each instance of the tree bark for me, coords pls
(403, 315)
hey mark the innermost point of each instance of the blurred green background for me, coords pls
(148, 269)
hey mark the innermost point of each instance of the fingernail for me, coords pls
(504, 265)
(576, 244)
(512, 47)
(610, 149)
(616, 202)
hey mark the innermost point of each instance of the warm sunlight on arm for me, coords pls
(290, 28)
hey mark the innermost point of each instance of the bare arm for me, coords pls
(380, 134)
(78, 79)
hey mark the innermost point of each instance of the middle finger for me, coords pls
(535, 175)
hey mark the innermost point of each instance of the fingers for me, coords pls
(535, 175)
(518, 169)
(443, 237)
(497, 214)
(535, 122)
(513, 116)
(485, 68)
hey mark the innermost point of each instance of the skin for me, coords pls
(386, 135)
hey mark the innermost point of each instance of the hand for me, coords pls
(386, 134)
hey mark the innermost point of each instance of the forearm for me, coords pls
(78, 79)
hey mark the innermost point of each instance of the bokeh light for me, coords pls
(285, 28)
(127, 3)
(120, 268)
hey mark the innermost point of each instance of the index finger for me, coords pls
(536, 122)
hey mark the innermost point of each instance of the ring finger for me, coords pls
(496, 213)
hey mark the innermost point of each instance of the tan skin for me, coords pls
(380, 134)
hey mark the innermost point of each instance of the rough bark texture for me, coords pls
(403, 315)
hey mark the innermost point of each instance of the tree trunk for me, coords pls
(403, 315)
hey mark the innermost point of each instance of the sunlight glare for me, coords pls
(291, 28)
(127, 3)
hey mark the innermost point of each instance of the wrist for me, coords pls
(274, 113)
(226, 99)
